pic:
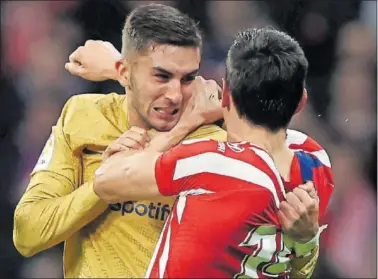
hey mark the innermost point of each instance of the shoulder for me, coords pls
(208, 131)
(92, 117)
(297, 140)
(86, 102)
(86, 107)
(195, 147)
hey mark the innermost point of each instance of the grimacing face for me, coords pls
(160, 84)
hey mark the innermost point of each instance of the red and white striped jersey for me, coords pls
(225, 213)
(215, 228)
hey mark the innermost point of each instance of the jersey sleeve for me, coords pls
(173, 169)
(323, 177)
(54, 205)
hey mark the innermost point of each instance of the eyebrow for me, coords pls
(169, 73)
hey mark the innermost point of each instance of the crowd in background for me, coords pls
(338, 37)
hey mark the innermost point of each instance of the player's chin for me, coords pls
(164, 125)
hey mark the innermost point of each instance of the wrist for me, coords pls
(183, 128)
(111, 74)
(165, 141)
(178, 133)
(305, 248)
(191, 123)
(309, 237)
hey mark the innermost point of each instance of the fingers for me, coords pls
(134, 139)
(297, 205)
(310, 189)
(289, 211)
(75, 69)
(114, 148)
(90, 42)
(284, 221)
(138, 135)
(305, 198)
(123, 144)
(140, 131)
(288, 216)
(75, 56)
(75, 65)
(308, 186)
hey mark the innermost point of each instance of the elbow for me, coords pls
(26, 245)
(23, 248)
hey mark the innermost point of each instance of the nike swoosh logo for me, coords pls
(91, 152)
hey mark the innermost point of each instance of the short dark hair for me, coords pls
(266, 71)
(159, 24)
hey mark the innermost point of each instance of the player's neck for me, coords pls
(133, 117)
(268, 140)
(272, 142)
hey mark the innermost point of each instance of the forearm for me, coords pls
(124, 177)
(40, 223)
(125, 174)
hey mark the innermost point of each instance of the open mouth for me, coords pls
(166, 110)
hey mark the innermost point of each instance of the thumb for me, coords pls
(309, 188)
(74, 69)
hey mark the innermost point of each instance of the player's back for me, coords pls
(228, 191)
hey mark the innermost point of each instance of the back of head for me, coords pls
(266, 71)
(157, 24)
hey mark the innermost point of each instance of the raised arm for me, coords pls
(95, 61)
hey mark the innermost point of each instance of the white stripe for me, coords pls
(219, 164)
(164, 256)
(190, 141)
(153, 259)
(295, 137)
(182, 200)
(180, 207)
(269, 161)
(323, 157)
(250, 272)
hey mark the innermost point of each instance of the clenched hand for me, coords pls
(95, 61)
(299, 214)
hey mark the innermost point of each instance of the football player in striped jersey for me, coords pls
(232, 207)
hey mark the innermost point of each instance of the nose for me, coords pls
(174, 93)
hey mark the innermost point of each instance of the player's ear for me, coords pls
(225, 94)
(302, 102)
(122, 70)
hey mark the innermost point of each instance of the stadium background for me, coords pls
(339, 39)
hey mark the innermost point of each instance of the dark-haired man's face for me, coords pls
(161, 84)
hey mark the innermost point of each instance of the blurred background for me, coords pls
(339, 39)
